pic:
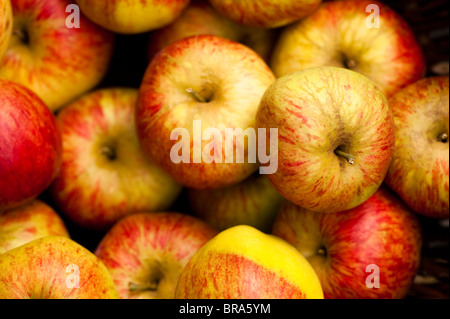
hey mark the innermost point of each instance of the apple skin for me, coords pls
(243, 263)
(265, 13)
(200, 18)
(132, 16)
(28, 222)
(146, 252)
(30, 145)
(104, 173)
(381, 231)
(54, 57)
(318, 111)
(6, 23)
(420, 165)
(254, 202)
(202, 63)
(39, 270)
(391, 55)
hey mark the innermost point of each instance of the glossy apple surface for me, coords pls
(228, 80)
(5, 26)
(132, 16)
(146, 252)
(244, 263)
(377, 242)
(28, 222)
(30, 145)
(104, 172)
(343, 34)
(56, 62)
(201, 18)
(335, 137)
(420, 164)
(265, 13)
(54, 268)
(254, 202)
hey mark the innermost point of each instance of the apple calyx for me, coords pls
(151, 286)
(348, 62)
(109, 152)
(197, 96)
(21, 34)
(350, 158)
(443, 137)
(322, 251)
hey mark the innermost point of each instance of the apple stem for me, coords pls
(351, 64)
(197, 96)
(443, 137)
(152, 286)
(350, 158)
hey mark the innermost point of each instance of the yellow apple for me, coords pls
(5, 25)
(54, 267)
(242, 262)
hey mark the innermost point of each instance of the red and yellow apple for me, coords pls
(6, 23)
(254, 202)
(200, 18)
(370, 251)
(266, 13)
(335, 137)
(420, 165)
(378, 44)
(104, 173)
(54, 267)
(212, 80)
(30, 145)
(56, 62)
(146, 252)
(132, 16)
(243, 263)
(28, 222)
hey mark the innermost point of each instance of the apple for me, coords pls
(370, 251)
(212, 80)
(362, 35)
(242, 262)
(254, 202)
(335, 137)
(28, 222)
(201, 18)
(54, 267)
(419, 168)
(132, 16)
(30, 145)
(146, 252)
(5, 26)
(265, 14)
(104, 173)
(50, 57)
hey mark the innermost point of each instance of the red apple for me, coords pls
(254, 202)
(365, 36)
(54, 267)
(28, 222)
(335, 137)
(104, 173)
(30, 145)
(370, 251)
(212, 80)
(420, 164)
(146, 252)
(267, 13)
(201, 18)
(5, 26)
(50, 57)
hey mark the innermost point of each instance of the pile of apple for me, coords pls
(361, 148)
